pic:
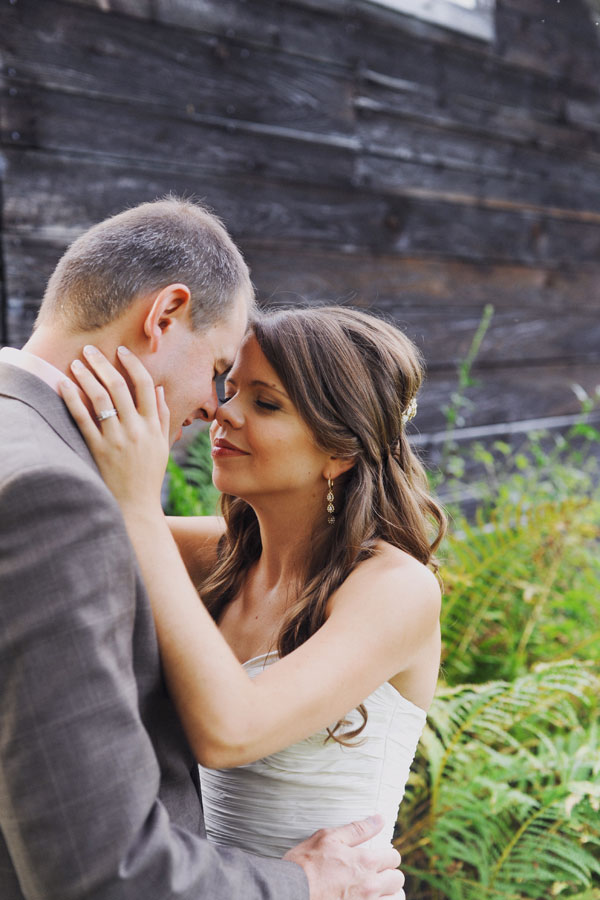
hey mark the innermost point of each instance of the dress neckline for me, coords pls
(385, 686)
(260, 656)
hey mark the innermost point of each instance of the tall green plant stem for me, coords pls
(481, 565)
(435, 786)
(545, 589)
(482, 609)
(464, 369)
(515, 840)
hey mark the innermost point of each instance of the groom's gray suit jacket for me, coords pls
(98, 787)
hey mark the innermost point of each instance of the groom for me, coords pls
(98, 787)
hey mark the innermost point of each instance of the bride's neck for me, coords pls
(286, 542)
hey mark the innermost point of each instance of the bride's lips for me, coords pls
(222, 448)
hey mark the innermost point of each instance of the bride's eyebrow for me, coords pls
(273, 387)
(258, 383)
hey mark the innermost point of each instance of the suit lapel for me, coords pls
(27, 388)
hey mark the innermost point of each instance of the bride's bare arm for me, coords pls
(381, 618)
(197, 538)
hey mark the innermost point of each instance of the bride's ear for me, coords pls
(337, 465)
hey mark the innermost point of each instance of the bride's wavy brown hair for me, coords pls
(351, 377)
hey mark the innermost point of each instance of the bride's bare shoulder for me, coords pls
(389, 558)
(392, 576)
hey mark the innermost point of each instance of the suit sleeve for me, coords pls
(79, 807)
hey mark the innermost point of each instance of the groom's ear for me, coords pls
(170, 308)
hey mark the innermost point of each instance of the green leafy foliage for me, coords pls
(190, 488)
(520, 583)
(504, 797)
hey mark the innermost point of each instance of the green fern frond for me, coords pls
(511, 775)
(521, 583)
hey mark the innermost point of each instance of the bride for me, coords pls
(318, 575)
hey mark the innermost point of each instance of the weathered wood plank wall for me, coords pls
(355, 153)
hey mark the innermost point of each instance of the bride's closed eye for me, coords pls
(265, 405)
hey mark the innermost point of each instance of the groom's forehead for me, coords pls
(219, 347)
(231, 331)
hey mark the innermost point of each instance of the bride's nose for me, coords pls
(230, 413)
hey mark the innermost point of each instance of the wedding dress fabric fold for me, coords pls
(268, 806)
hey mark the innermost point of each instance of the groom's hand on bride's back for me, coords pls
(338, 866)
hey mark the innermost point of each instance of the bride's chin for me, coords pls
(232, 490)
(225, 485)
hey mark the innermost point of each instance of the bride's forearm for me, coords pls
(213, 694)
(197, 539)
(231, 719)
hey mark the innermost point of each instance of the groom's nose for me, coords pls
(209, 408)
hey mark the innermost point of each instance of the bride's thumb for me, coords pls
(164, 415)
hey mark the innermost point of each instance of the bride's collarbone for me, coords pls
(250, 628)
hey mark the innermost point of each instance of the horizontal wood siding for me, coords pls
(357, 155)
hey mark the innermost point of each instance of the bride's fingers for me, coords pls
(81, 414)
(164, 414)
(99, 397)
(108, 378)
(141, 380)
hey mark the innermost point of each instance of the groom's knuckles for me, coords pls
(387, 859)
(321, 838)
(357, 832)
(387, 884)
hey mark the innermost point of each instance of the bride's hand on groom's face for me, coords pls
(128, 438)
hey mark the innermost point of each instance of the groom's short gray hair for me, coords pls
(142, 250)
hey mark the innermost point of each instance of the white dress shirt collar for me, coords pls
(35, 365)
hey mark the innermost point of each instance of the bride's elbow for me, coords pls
(226, 748)
(220, 758)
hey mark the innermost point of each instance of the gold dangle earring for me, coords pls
(330, 499)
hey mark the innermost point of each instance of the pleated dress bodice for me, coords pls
(270, 805)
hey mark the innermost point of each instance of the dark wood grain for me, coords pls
(393, 284)
(508, 394)
(34, 117)
(84, 52)
(344, 30)
(524, 330)
(357, 155)
(400, 283)
(4, 330)
(44, 189)
(538, 35)
(390, 155)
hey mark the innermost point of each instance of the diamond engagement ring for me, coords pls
(106, 414)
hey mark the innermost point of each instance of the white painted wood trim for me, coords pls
(503, 429)
(472, 17)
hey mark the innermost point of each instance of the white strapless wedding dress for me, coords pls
(270, 805)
